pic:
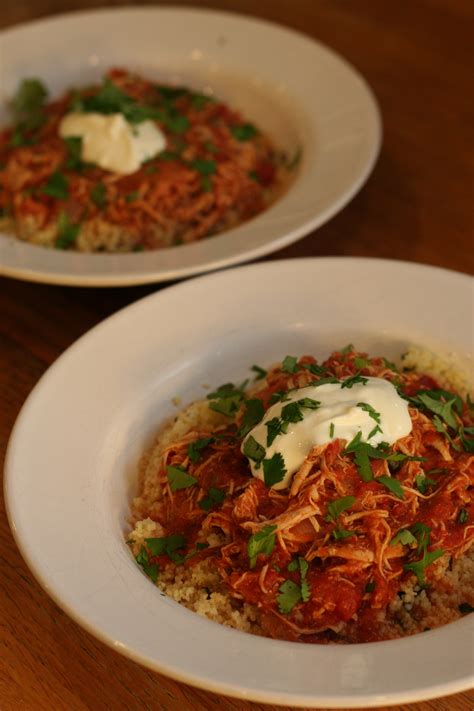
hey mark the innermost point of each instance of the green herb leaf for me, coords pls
(360, 362)
(253, 414)
(67, 232)
(214, 498)
(178, 478)
(442, 403)
(253, 450)
(57, 186)
(290, 595)
(143, 561)
(244, 132)
(305, 591)
(422, 483)
(315, 369)
(337, 506)
(260, 372)
(442, 429)
(227, 399)
(331, 430)
(203, 166)
(388, 364)
(368, 408)
(292, 565)
(291, 412)
(347, 349)
(341, 533)
(274, 469)
(74, 149)
(392, 484)
(309, 403)
(261, 543)
(370, 587)
(463, 516)
(405, 537)
(199, 101)
(279, 396)
(289, 364)
(419, 566)
(356, 379)
(166, 545)
(422, 533)
(28, 104)
(98, 195)
(195, 448)
(275, 426)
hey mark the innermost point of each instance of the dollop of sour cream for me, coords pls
(111, 142)
(372, 407)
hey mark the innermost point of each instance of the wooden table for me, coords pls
(417, 205)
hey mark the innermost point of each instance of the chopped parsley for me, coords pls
(463, 516)
(279, 396)
(291, 412)
(289, 364)
(67, 232)
(274, 469)
(98, 195)
(57, 186)
(227, 399)
(214, 498)
(131, 197)
(392, 484)
(363, 452)
(254, 451)
(405, 537)
(356, 379)
(422, 533)
(179, 478)
(370, 587)
(260, 372)
(422, 483)
(28, 104)
(331, 430)
(315, 369)
(290, 595)
(167, 545)
(347, 349)
(360, 362)
(244, 132)
(203, 166)
(342, 533)
(195, 448)
(337, 506)
(261, 543)
(374, 415)
(74, 149)
(253, 414)
(441, 403)
(143, 561)
(275, 426)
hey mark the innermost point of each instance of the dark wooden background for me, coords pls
(417, 205)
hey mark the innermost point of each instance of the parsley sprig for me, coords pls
(261, 543)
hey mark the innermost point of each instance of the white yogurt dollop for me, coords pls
(111, 142)
(373, 408)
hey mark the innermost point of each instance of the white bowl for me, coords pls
(72, 460)
(300, 92)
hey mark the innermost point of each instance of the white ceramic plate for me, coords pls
(303, 94)
(71, 466)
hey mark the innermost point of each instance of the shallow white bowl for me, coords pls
(72, 461)
(300, 92)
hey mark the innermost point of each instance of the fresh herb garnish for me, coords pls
(360, 362)
(347, 349)
(441, 403)
(370, 587)
(423, 482)
(260, 372)
(143, 561)
(462, 516)
(337, 506)
(199, 101)
(274, 469)
(98, 195)
(356, 379)
(203, 166)
(392, 484)
(388, 364)
(405, 537)
(167, 545)
(419, 566)
(214, 497)
(244, 132)
(341, 533)
(275, 426)
(290, 595)
(195, 448)
(57, 186)
(254, 451)
(291, 412)
(253, 414)
(67, 232)
(261, 543)
(227, 399)
(289, 364)
(315, 369)
(331, 430)
(179, 478)
(28, 104)
(363, 452)
(74, 149)
(279, 396)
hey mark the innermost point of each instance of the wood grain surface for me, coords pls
(417, 205)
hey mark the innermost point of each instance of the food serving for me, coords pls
(132, 165)
(325, 503)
